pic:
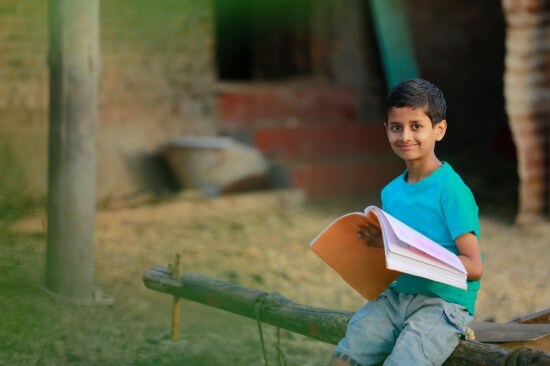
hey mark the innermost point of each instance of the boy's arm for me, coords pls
(470, 255)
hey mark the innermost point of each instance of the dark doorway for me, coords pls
(262, 40)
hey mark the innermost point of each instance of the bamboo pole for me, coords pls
(175, 274)
(322, 324)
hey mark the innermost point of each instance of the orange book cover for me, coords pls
(370, 270)
(362, 267)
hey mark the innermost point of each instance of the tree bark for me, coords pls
(526, 82)
(74, 69)
(323, 324)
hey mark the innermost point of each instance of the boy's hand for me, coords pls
(371, 234)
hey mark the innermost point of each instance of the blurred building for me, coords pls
(302, 81)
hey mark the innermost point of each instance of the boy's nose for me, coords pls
(406, 134)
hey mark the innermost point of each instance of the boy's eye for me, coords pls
(416, 126)
(395, 128)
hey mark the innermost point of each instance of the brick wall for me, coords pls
(156, 83)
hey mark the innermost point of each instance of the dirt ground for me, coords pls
(257, 240)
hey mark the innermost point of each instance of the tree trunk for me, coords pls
(527, 94)
(323, 324)
(74, 69)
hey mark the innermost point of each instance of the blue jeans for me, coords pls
(403, 329)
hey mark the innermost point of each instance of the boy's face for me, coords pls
(411, 134)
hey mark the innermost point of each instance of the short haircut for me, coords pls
(418, 93)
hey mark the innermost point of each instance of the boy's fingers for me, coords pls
(362, 234)
(373, 230)
(371, 235)
(363, 231)
(370, 239)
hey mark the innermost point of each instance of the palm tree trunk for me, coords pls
(527, 94)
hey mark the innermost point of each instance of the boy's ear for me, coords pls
(440, 130)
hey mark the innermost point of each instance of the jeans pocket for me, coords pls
(444, 336)
(457, 316)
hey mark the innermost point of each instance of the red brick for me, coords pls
(346, 139)
(237, 108)
(325, 179)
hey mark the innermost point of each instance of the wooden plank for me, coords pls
(508, 332)
(541, 317)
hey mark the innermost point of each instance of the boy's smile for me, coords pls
(412, 136)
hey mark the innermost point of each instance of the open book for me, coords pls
(370, 270)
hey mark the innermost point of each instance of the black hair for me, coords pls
(418, 93)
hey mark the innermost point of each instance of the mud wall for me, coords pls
(156, 83)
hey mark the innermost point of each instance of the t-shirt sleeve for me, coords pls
(460, 209)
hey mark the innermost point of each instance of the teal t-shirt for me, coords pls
(441, 207)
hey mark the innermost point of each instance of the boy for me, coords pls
(417, 321)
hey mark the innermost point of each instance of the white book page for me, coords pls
(408, 265)
(393, 245)
(405, 250)
(415, 239)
